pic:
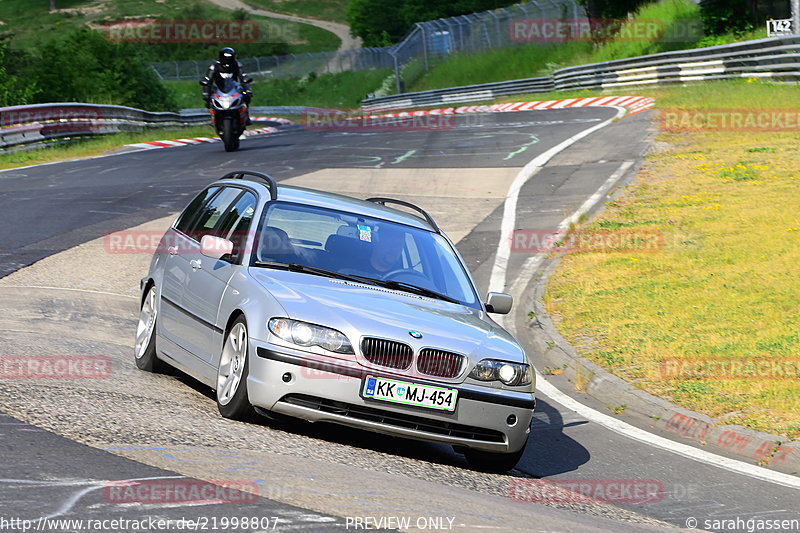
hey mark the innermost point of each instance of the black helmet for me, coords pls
(227, 57)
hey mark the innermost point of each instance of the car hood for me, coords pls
(360, 310)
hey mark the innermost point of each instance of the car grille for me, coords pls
(390, 354)
(400, 420)
(439, 363)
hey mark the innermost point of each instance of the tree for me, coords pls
(84, 67)
(611, 9)
(12, 90)
(53, 6)
(723, 16)
(369, 19)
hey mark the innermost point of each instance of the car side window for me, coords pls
(211, 213)
(235, 224)
(193, 209)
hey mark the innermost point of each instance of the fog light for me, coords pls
(287, 377)
(511, 420)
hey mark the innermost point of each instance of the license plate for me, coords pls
(389, 390)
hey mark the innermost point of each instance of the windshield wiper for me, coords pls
(389, 284)
(296, 267)
(422, 291)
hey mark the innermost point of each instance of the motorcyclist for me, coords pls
(227, 66)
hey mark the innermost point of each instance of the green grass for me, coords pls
(83, 147)
(532, 60)
(722, 287)
(333, 10)
(29, 21)
(344, 90)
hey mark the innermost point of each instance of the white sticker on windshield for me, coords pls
(364, 233)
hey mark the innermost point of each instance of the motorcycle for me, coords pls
(228, 112)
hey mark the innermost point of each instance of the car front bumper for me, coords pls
(325, 389)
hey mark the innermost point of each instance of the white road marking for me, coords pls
(696, 454)
(497, 282)
(552, 392)
(3, 286)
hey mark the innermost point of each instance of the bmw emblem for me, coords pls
(415, 334)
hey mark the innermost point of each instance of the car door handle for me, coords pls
(173, 250)
(195, 264)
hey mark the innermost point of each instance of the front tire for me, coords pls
(234, 367)
(144, 349)
(497, 463)
(228, 135)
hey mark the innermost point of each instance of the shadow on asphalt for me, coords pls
(549, 451)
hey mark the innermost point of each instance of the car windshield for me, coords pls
(391, 254)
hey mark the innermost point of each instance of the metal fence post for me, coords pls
(396, 72)
(424, 44)
(796, 17)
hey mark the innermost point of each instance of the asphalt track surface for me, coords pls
(51, 208)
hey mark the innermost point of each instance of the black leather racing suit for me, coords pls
(217, 72)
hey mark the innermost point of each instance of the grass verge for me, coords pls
(29, 21)
(93, 146)
(718, 300)
(333, 10)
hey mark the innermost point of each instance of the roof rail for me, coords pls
(268, 180)
(428, 218)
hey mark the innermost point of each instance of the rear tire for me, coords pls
(228, 136)
(144, 349)
(234, 367)
(497, 463)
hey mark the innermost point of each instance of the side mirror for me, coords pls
(215, 247)
(248, 79)
(203, 82)
(498, 302)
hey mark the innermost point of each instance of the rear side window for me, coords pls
(212, 212)
(190, 213)
(235, 224)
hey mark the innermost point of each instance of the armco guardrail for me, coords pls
(28, 126)
(32, 124)
(453, 95)
(776, 58)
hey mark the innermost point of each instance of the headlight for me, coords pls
(305, 334)
(511, 374)
(222, 102)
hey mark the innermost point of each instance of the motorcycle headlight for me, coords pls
(221, 102)
(510, 374)
(305, 334)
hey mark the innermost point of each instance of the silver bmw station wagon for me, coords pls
(332, 309)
